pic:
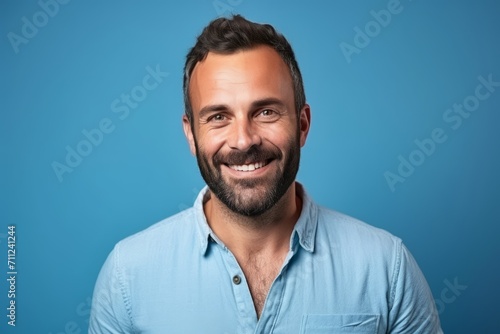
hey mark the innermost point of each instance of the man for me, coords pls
(255, 254)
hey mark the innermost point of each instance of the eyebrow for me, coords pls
(255, 105)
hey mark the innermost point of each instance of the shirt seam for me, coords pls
(396, 272)
(126, 299)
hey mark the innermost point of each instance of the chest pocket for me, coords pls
(339, 324)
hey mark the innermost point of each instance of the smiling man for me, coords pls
(255, 254)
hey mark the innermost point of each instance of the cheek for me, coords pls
(281, 136)
(209, 143)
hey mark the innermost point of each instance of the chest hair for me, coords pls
(260, 273)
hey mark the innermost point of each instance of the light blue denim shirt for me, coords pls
(340, 276)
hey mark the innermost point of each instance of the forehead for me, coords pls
(243, 76)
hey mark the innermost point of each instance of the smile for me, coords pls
(249, 167)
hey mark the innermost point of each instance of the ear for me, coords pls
(304, 123)
(188, 132)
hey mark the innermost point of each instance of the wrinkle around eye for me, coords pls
(217, 118)
(215, 121)
(272, 116)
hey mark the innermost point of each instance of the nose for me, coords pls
(243, 135)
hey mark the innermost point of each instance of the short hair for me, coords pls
(229, 35)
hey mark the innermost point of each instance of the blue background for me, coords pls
(366, 113)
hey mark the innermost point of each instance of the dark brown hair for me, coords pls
(228, 35)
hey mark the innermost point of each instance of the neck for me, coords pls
(246, 236)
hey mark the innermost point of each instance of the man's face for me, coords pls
(245, 131)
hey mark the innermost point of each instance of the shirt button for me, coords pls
(236, 279)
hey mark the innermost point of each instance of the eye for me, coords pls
(267, 112)
(217, 118)
(268, 115)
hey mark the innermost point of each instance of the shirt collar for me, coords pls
(305, 228)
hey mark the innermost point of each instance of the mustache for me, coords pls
(254, 154)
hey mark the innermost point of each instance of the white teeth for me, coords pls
(250, 167)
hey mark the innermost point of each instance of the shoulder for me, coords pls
(336, 229)
(342, 223)
(163, 229)
(346, 232)
(158, 239)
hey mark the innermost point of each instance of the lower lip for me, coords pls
(253, 173)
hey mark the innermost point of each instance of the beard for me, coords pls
(251, 197)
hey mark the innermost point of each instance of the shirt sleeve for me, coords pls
(110, 311)
(412, 307)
